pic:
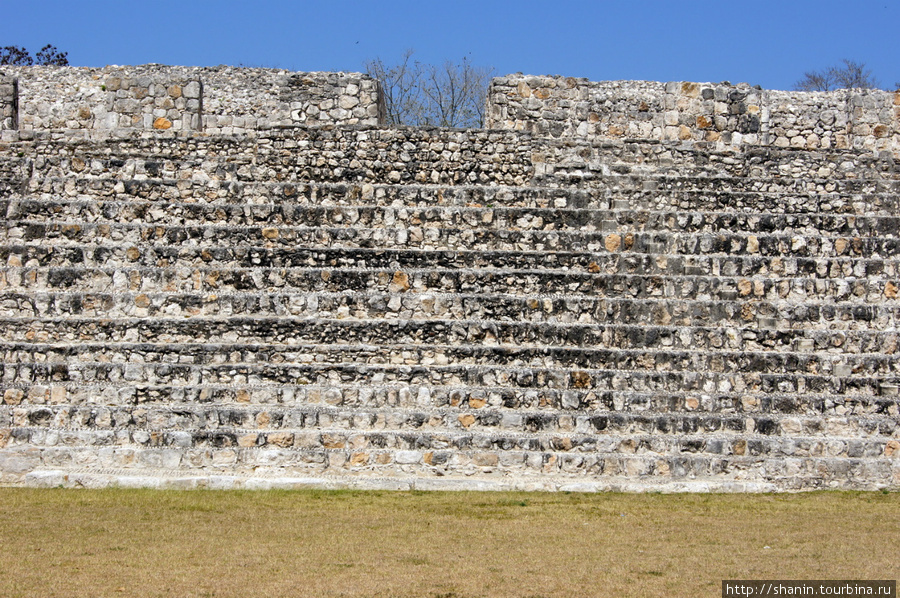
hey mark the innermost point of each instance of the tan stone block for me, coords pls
(248, 440)
(71, 230)
(892, 449)
(703, 122)
(561, 443)
(174, 91)
(691, 403)
(628, 241)
(242, 396)
(739, 447)
(133, 253)
(58, 394)
(13, 396)
(399, 282)
(684, 133)
(477, 402)
(791, 425)
(752, 244)
(662, 467)
(142, 301)
(523, 89)
(466, 419)
(333, 441)
(282, 439)
(615, 131)
(581, 380)
(383, 458)
(162, 123)
(270, 232)
(5, 435)
(745, 287)
(263, 419)
(359, 459)
(613, 242)
(690, 89)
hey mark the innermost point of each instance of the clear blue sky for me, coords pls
(768, 43)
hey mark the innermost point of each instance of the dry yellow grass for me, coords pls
(316, 543)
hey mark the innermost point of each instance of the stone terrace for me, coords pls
(357, 306)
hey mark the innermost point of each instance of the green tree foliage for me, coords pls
(851, 75)
(418, 94)
(48, 55)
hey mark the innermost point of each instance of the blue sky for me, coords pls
(768, 43)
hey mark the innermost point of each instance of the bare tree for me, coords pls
(852, 75)
(451, 95)
(49, 55)
(456, 94)
(401, 86)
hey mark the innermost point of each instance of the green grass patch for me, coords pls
(395, 544)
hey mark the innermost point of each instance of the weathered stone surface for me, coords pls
(721, 114)
(365, 307)
(218, 100)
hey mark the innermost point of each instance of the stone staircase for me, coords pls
(436, 309)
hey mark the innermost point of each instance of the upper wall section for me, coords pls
(8, 102)
(215, 100)
(728, 116)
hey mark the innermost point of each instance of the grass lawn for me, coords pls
(348, 543)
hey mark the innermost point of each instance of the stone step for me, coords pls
(600, 265)
(362, 305)
(688, 282)
(639, 156)
(382, 154)
(176, 214)
(570, 343)
(420, 446)
(188, 243)
(472, 469)
(516, 425)
(629, 374)
(377, 395)
(709, 194)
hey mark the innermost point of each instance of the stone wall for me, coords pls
(9, 101)
(428, 308)
(722, 115)
(215, 100)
